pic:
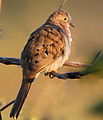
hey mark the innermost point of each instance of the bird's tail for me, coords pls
(23, 92)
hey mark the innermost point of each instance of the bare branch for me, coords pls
(10, 61)
(69, 75)
(16, 61)
(76, 64)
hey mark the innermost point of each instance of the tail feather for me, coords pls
(23, 92)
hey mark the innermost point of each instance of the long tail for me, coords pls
(23, 92)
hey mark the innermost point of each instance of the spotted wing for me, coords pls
(43, 47)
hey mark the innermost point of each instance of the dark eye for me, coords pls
(65, 19)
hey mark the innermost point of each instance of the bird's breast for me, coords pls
(61, 59)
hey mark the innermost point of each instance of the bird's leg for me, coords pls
(50, 74)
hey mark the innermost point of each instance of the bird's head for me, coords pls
(61, 18)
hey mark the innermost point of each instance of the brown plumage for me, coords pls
(47, 49)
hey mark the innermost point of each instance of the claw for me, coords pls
(46, 74)
(50, 74)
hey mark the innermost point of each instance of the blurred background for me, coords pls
(53, 99)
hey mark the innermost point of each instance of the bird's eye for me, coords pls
(65, 19)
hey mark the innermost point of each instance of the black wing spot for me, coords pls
(37, 49)
(46, 52)
(36, 54)
(45, 45)
(52, 45)
(36, 61)
(62, 51)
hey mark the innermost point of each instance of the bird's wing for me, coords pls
(43, 48)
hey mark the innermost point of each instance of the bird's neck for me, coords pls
(67, 32)
(65, 29)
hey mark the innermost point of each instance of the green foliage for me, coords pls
(96, 64)
(97, 109)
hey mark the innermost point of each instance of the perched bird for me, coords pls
(47, 49)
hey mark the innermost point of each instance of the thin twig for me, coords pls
(0, 116)
(7, 105)
(76, 64)
(96, 56)
(62, 4)
(4, 107)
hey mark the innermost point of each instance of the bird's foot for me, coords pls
(50, 74)
(69, 75)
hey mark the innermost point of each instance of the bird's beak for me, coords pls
(71, 24)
